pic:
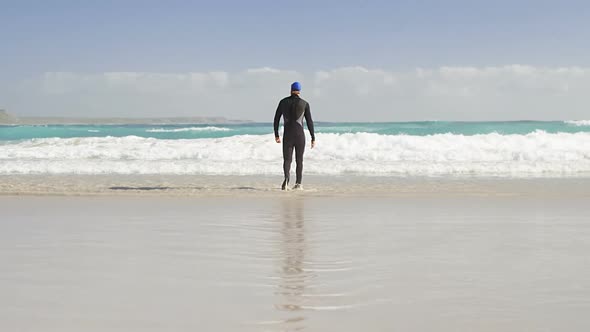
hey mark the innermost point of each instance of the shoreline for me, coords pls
(265, 186)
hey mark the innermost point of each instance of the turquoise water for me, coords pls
(523, 148)
(12, 133)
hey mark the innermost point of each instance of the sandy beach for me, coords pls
(268, 186)
(423, 255)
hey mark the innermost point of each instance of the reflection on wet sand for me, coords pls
(294, 262)
(293, 279)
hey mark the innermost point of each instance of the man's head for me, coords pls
(295, 88)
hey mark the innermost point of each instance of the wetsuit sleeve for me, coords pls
(277, 120)
(309, 122)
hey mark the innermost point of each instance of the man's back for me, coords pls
(293, 109)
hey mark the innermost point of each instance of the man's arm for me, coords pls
(309, 122)
(278, 114)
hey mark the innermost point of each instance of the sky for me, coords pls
(357, 60)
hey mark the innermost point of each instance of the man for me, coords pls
(293, 109)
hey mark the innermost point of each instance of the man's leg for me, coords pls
(299, 149)
(287, 158)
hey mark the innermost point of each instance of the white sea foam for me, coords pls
(578, 123)
(535, 154)
(179, 130)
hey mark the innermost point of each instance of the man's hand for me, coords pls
(312, 144)
(278, 139)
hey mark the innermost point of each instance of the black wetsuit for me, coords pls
(293, 109)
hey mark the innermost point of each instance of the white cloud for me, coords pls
(342, 94)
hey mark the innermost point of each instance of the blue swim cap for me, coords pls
(296, 86)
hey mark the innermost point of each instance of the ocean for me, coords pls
(434, 148)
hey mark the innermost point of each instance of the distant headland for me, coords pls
(9, 119)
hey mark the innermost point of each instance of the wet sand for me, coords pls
(268, 186)
(499, 256)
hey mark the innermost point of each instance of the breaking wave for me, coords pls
(534, 154)
(579, 123)
(179, 130)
